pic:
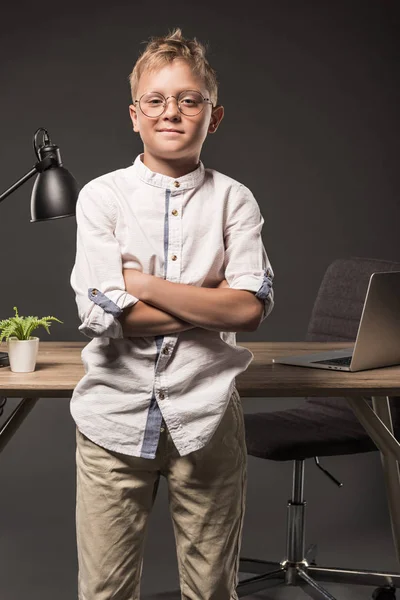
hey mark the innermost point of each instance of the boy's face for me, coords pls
(190, 131)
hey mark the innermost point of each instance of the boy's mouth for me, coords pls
(169, 131)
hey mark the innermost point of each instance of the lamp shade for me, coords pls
(54, 195)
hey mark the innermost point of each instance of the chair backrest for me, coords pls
(337, 309)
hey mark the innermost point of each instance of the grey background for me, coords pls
(311, 96)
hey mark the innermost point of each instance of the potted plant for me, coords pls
(22, 347)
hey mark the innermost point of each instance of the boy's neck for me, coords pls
(170, 168)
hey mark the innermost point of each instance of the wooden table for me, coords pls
(59, 368)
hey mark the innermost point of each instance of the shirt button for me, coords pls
(161, 396)
(162, 429)
(176, 184)
(166, 350)
(94, 292)
(174, 257)
(175, 212)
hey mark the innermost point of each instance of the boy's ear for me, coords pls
(134, 119)
(216, 117)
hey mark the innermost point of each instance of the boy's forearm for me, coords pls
(143, 320)
(222, 309)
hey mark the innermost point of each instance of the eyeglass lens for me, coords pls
(153, 104)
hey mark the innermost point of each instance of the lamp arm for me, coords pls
(40, 166)
(16, 185)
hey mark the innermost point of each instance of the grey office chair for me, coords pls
(322, 427)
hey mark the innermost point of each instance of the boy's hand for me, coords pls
(136, 282)
(223, 284)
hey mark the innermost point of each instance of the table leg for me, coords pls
(377, 421)
(391, 471)
(15, 419)
(380, 431)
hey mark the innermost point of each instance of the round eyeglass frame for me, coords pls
(205, 101)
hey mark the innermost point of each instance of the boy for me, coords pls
(169, 263)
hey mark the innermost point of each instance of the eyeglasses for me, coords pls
(190, 103)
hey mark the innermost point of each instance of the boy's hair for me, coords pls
(161, 51)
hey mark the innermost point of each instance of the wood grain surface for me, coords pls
(59, 368)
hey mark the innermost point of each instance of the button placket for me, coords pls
(175, 239)
(173, 274)
(160, 386)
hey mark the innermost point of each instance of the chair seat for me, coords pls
(322, 427)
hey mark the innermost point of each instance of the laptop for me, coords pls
(378, 338)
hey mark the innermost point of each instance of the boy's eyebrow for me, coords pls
(184, 89)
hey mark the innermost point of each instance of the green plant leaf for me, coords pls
(23, 327)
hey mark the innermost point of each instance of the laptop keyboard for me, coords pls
(342, 362)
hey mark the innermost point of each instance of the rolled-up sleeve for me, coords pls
(97, 277)
(247, 266)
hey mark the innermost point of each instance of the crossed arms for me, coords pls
(151, 305)
(165, 307)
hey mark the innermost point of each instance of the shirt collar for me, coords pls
(190, 180)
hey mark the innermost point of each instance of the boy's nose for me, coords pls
(171, 109)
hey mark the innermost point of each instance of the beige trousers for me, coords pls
(206, 494)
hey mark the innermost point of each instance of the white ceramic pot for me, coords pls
(22, 354)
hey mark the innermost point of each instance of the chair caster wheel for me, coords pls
(384, 593)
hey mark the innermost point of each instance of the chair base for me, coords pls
(299, 568)
(301, 574)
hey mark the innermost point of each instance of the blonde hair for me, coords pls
(161, 51)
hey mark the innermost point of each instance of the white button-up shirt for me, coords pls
(198, 229)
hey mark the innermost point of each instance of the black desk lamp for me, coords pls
(54, 193)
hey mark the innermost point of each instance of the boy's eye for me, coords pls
(191, 99)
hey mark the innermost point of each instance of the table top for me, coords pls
(59, 368)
